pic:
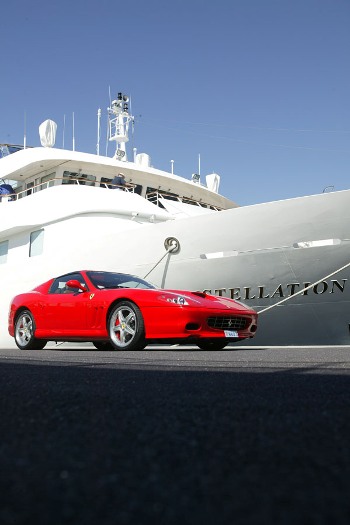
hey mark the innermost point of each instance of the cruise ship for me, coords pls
(64, 210)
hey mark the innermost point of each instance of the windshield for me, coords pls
(117, 280)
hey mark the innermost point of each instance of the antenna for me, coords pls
(132, 123)
(25, 130)
(98, 131)
(130, 105)
(199, 164)
(107, 138)
(64, 129)
(73, 134)
(107, 134)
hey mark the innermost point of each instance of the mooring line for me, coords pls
(304, 289)
(171, 245)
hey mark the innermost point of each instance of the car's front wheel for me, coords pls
(215, 344)
(24, 332)
(126, 327)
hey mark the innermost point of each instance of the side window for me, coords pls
(70, 177)
(4, 248)
(105, 183)
(60, 284)
(30, 187)
(36, 243)
(47, 181)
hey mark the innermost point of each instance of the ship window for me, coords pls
(49, 179)
(4, 248)
(19, 190)
(105, 183)
(154, 195)
(71, 177)
(37, 185)
(138, 189)
(30, 187)
(36, 243)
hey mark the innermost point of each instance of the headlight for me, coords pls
(178, 300)
(175, 299)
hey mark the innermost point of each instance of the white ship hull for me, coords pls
(259, 254)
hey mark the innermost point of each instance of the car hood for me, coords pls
(204, 300)
(213, 301)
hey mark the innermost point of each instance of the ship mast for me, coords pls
(119, 120)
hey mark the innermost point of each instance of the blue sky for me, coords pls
(259, 88)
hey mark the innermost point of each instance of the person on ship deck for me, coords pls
(118, 182)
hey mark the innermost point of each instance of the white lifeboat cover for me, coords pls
(47, 132)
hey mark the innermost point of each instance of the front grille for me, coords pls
(228, 323)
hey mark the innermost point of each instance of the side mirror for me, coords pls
(75, 284)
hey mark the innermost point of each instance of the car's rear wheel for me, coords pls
(24, 332)
(212, 344)
(126, 327)
(103, 345)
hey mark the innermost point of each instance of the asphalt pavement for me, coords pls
(175, 436)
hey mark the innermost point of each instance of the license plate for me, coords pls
(231, 333)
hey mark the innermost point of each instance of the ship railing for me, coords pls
(157, 196)
(128, 187)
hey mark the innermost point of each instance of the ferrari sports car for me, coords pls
(117, 311)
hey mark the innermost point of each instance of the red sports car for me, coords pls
(123, 312)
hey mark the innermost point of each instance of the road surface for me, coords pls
(173, 435)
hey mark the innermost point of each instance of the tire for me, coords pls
(215, 344)
(126, 327)
(103, 345)
(24, 332)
